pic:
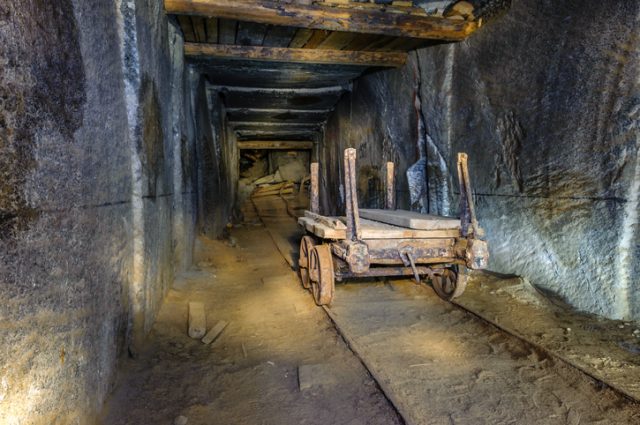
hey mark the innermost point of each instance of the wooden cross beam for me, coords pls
(252, 125)
(275, 144)
(281, 54)
(327, 18)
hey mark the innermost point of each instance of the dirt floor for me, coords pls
(435, 361)
(608, 350)
(441, 365)
(249, 375)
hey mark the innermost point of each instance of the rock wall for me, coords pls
(218, 160)
(379, 119)
(546, 102)
(97, 204)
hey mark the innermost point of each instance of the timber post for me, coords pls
(315, 201)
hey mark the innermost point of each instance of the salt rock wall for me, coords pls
(378, 118)
(91, 96)
(218, 159)
(546, 102)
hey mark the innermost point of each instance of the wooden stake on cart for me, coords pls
(390, 200)
(467, 208)
(315, 202)
(354, 232)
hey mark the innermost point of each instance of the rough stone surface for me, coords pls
(377, 118)
(545, 101)
(96, 196)
(218, 165)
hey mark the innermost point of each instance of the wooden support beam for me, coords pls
(257, 125)
(390, 189)
(318, 91)
(327, 18)
(282, 54)
(300, 134)
(275, 144)
(314, 195)
(354, 231)
(278, 111)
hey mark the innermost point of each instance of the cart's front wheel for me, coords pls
(321, 273)
(451, 283)
(306, 246)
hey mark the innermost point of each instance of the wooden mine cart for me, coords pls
(389, 242)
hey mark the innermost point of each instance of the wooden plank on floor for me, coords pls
(277, 54)
(215, 332)
(197, 320)
(327, 18)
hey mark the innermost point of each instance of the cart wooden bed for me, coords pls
(389, 242)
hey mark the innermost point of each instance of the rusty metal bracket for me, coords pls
(407, 252)
(354, 253)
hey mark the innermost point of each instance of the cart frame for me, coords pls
(351, 247)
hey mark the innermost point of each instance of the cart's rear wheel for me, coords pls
(306, 245)
(451, 283)
(321, 273)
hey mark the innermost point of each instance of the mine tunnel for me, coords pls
(319, 212)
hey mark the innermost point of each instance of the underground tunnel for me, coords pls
(319, 212)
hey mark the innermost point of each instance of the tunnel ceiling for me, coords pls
(281, 67)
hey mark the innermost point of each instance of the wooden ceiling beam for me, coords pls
(277, 92)
(281, 54)
(259, 125)
(329, 18)
(277, 111)
(276, 144)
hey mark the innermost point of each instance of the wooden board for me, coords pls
(278, 144)
(411, 220)
(307, 55)
(213, 334)
(327, 18)
(197, 320)
(328, 221)
(374, 230)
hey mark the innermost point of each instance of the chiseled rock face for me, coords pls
(379, 119)
(63, 208)
(67, 144)
(546, 102)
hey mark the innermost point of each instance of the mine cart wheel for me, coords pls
(306, 245)
(321, 269)
(451, 283)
